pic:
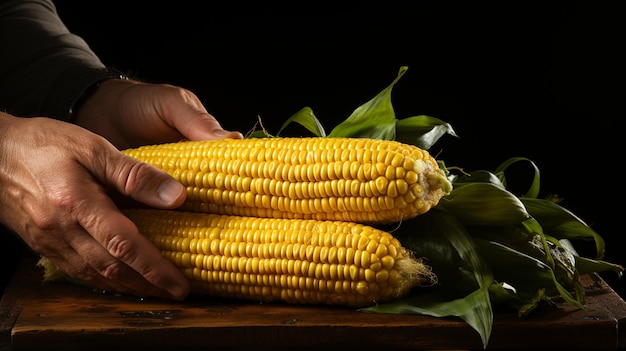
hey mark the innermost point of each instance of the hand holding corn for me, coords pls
(54, 197)
(55, 179)
(129, 113)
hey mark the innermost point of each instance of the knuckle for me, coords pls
(113, 271)
(122, 249)
(81, 272)
(176, 93)
(50, 215)
(139, 175)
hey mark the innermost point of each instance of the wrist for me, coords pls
(100, 111)
(107, 74)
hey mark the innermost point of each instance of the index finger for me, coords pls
(204, 126)
(186, 113)
(123, 241)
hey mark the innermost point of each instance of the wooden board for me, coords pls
(62, 316)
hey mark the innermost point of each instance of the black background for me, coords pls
(541, 80)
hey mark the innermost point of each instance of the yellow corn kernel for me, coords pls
(289, 260)
(348, 179)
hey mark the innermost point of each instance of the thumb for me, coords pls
(141, 182)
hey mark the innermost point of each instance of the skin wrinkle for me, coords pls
(120, 249)
(162, 108)
(60, 198)
(83, 271)
(116, 243)
(133, 178)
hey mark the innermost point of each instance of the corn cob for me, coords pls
(288, 260)
(348, 179)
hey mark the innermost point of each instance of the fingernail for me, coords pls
(176, 294)
(170, 191)
(220, 133)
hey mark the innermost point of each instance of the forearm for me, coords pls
(45, 68)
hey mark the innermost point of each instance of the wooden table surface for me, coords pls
(69, 317)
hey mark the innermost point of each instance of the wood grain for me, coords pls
(62, 316)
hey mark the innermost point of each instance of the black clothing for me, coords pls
(43, 67)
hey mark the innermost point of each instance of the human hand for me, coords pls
(130, 113)
(55, 179)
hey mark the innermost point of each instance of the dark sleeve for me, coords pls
(44, 68)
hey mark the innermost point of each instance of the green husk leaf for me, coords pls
(527, 238)
(525, 273)
(374, 119)
(474, 309)
(464, 277)
(479, 176)
(562, 223)
(484, 204)
(422, 131)
(560, 260)
(586, 265)
(377, 119)
(515, 236)
(533, 189)
(306, 118)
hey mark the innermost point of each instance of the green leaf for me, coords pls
(533, 189)
(306, 118)
(525, 273)
(528, 238)
(374, 119)
(515, 236)
(586, 265)
(562, 223)
(422, 131)
(479, 176)
(444, 241)
(475, 309)
(484, 204)
(560, 259)
(463, 276)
